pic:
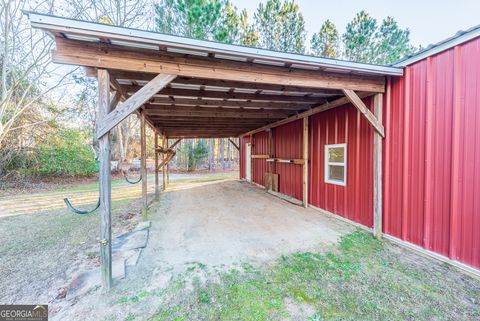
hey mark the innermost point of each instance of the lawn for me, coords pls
(361, 279)
(41, 250)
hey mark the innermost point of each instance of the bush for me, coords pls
(195, 155)
(66, 153)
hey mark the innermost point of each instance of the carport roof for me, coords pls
(194, 88)
(136, 38)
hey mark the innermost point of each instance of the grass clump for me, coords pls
(359, 279)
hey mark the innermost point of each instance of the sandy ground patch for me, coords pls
(217, 225)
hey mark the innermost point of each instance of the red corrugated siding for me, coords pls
(260, 147)
(432, 154)
(288, 144)
(343, 125)
(243, 142)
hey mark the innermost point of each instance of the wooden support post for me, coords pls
(377, 170)
(305, 162)
(143, 148)
(164, 144)
(251, 160)
(269, 183)
(105, 187)
(168, 166)
(157, 187)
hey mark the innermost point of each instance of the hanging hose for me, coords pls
(136, 181)
(133, 182)
(78, 211)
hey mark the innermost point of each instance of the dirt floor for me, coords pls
(229, 222)
(221, 249)
(219, 225)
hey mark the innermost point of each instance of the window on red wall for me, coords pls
(336, 164)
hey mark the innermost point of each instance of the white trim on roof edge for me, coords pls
(60, 24)
(442, 46)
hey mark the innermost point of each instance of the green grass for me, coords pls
(358, 280)
(37, 248)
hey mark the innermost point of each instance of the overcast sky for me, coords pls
(429, 21)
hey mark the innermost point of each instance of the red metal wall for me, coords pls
(260, 147)
(432, 154)
(288, 144)
(243, 142)
(336, 126)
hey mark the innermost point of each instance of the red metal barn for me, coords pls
(431, 155)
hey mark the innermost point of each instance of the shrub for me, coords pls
(66, 153)
(195, 155)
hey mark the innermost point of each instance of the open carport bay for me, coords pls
(228, 222)
(226, 250)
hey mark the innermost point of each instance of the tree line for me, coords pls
(279, 25)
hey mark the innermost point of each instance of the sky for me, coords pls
(429, 21)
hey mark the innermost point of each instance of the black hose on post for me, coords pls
(136, 181)
(78, 211)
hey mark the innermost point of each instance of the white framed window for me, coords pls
(336, 164)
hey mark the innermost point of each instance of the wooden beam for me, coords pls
(233, 143)
(318, 109)
(192, 93)
(192, 121)
(206, 126)
(297, 161)
(190, 111)
(269, 183)
(305, 165)
(228, 103)
(164, 144)
(129, 75)
(358, 103)
(157, 185)
(377, 170)
(261, 156)
(143, 151)
(175, 143)
(252, 146)
(122, 58)
(168, 163)
(166, 160)
(206, 134)
(133, 103)
(105, 187)
(115, 100)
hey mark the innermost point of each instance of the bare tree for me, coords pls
(27, 78)
(125, 13)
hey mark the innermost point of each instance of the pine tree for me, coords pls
(364, 41)
(359, 38)
(325, 42)
(216, 20)
(393, 43)
(280, 26)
